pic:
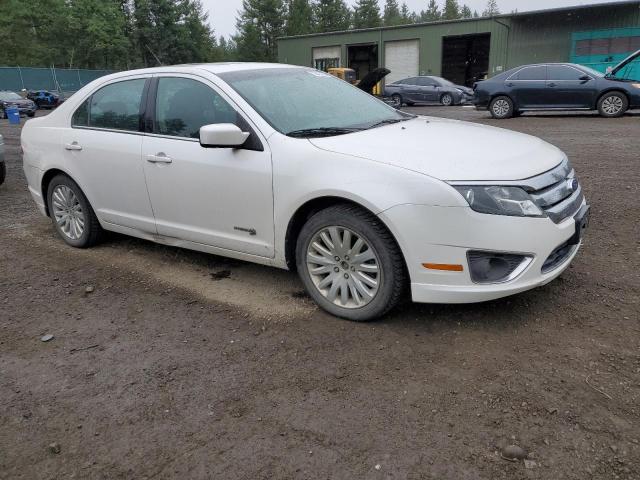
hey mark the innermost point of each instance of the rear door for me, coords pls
(102, 152)
(529, 86)
(568, 87)
(411, 90)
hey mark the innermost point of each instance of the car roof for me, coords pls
(215, 68)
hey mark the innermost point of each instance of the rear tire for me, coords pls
(397, 100)
(501, 107)
(613, 104)
(350, 264)
(71, 214)
(3, 172)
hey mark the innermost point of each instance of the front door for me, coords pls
(568, 87)
(103, 151)
(221, 197)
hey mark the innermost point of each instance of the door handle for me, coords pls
(72, 146)
(509, 84)
(159, 158)
(552, 84)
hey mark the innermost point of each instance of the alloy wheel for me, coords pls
(612, 105)
(447, 100)
(67, 212)
(501, 108)
(343, 267)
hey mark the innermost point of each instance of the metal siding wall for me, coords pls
(547, 37)
(514, 40)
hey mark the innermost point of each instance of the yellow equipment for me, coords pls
(346, 74)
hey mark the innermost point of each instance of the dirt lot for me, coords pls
(167, 371)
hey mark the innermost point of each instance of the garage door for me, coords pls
(402, 58)
(326, 57)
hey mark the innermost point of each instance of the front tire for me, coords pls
(350, 264)
(446, 100)
(613, 104)
(3, 172)
(501, 107)
(71, 213)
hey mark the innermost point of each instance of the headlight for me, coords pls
(498, 200)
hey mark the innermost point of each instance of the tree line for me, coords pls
(125, 34)
(261, 22)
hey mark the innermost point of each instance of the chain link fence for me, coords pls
(52, 79)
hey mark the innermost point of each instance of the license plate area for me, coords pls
(582, 222)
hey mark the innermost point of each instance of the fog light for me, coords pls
(493, 267)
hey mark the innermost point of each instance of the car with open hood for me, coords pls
(293, 168)
(561, 86)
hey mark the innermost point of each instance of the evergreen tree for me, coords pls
(407, 16)
(432, 13)
(491, 9)
(367, 14)
(299, 18)
(466, 12)
(451, 10)
(392, 15)
(332, 15)
(259, 24)
(171, 31)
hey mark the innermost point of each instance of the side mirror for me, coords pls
(222, 135)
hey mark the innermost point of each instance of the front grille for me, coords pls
(557, 192)
(557, 257)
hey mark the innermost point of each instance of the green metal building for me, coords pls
(466, 50)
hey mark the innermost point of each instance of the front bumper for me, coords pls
(444, 235)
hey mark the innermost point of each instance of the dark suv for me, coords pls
(561, 86)
(11, 99)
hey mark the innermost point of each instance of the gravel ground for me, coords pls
(166, 368)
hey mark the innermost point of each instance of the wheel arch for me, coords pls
(503, 94)
(609, 90)
(46, 180)
(307, 210)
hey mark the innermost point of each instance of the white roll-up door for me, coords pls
(325, 57)
(402, 57)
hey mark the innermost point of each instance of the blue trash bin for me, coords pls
(14, 115)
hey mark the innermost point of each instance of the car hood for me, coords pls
(449, 149)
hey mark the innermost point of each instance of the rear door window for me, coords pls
(184, 105)
(116, 106)
(538, 72)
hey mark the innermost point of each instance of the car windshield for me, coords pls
(630, 72)
(9, 96)
(296, 100)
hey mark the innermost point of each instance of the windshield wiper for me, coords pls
(322, 132)
(390, 121)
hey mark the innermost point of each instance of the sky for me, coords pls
(223, 13)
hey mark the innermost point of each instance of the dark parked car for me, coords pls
(428, 89)
(561, 86)
(3, 167)
(12, 99)
(44, 98)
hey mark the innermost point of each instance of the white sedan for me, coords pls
(290, 167)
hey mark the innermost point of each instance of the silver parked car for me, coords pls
(428, 89)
